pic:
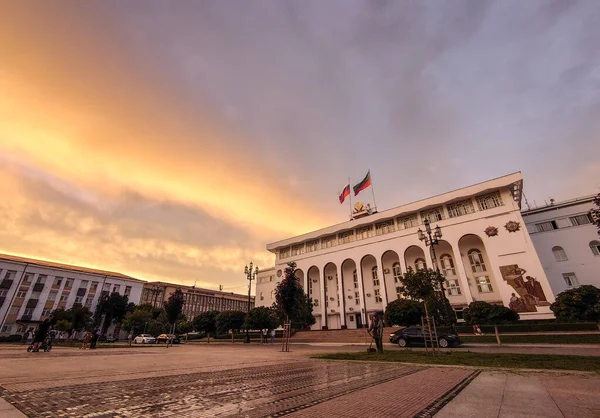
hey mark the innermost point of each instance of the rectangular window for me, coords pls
(489, 201)
(284, 253)
(57, 281)
(14, 310)
(546, 226)
(10, 274)
(89, 300)
(298, 249)
(346, 237)
(377, 296)
(464, 207)
(93, 287)
(127, 290)
(483, 284)
(52, 295)
(3, 292)
(27, 278)
(21, 329)
(46, 312)
(21, 293)
(69, 283)
(453, 287)
(434, 215)
(328, 242)
(64, 297)
(106, 287)
(41, 278)
(364, 233)
(28, 312)
(570, 279)
(581, 220)
(385, 227)
(116, 288)
(312, 246)
(407, 222)
(7, 328)
(83, 283)
(78, 299)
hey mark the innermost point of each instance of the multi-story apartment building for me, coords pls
(567, 242)
(352, 269)
(197, 300)
(31, 289)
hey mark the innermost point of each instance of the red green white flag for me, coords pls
(366, 182)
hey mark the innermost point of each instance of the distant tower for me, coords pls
(220, 288)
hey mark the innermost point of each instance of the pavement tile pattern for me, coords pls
(273, 390)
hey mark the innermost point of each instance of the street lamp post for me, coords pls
(250, 275)
(431, 240)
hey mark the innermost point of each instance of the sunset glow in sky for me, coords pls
(173, 140)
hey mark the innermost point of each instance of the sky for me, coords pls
(172, 140)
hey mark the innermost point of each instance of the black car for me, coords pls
(413, 336)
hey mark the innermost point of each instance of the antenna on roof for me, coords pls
(526, 202)
(194, 286)
(220, 288)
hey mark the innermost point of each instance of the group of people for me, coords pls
(39, 335)
(265, 335)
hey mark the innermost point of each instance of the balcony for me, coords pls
(6, 284)
(38, 287)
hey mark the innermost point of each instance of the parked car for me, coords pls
(162, 338)
(413, 336)
(144, 339)
(109, 339)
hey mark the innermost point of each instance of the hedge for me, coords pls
(15, 338)
(523, 327)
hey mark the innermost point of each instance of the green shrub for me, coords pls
(14, 338)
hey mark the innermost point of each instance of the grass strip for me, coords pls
(465, 358)
(535, 339)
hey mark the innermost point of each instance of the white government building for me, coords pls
(567, 242)
(352, 269)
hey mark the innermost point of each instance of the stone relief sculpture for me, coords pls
(528, 291)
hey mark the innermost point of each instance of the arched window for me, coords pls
(559, 254)
(375, 277)
(476, 260)
(262, 297)
(447, 265)
(420, 264)
(397, 272)
(595, 247)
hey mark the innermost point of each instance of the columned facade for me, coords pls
(354, 269)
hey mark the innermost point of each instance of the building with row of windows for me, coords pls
(31, 289)
(567, 242)
(352, 269)
(197, 300)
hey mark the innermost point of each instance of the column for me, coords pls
(361, 289)
(322, 279)
(340, 285)
(460, 270)
(381, 276)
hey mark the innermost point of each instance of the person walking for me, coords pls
(130, 338)
(376, 331)
(25, 337)
(86, 340)
(264, 335)
(272, 336)
(41, 334)
(95, 336)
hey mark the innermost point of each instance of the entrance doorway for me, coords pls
(358, 321)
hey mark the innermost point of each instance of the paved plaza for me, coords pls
(221, 380)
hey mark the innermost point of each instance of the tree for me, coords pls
(78, 317)
(261, 317)
(404, 312)
(291, 302)
(63, 325)
(230, 321)
(113, 307)
(480, 312)
(579, 304)
(137, 320)
(207, 322)
(184, 327)
(174, 307)
(423, 285)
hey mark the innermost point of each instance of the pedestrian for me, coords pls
(130, 338)
(272, 336)
(477, 330)
(376, 331)
(95, 336)
(41, 334)
(264, 335)
(86, 340)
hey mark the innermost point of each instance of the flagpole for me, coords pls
(350, 196)
(373, 190)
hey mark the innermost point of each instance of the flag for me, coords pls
(344, 193)
(366, 182)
